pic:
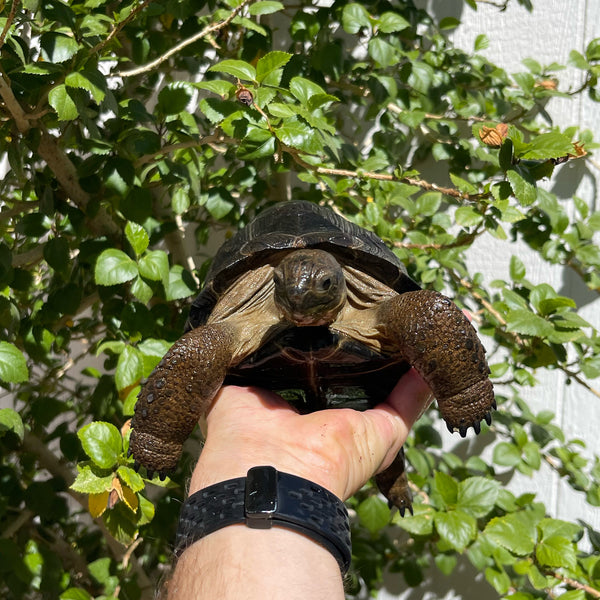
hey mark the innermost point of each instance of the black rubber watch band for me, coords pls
(267, 498)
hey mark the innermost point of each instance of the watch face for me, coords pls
(260, 496)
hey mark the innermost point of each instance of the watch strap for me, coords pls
(265, 498)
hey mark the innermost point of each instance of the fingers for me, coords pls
(410, 398)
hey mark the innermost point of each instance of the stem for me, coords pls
(425, 185)
(9, 21)
(177, 48)
(117, 28)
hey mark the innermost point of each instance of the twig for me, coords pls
(119, 26)
(425, 185)
(177, 48)
(399, 110)
(575, 584)
(580, 381)
(13, 106)
(28, 258)
(9, 21)
(207, 139)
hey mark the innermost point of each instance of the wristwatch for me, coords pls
(263, 499)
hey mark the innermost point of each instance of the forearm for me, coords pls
(263, 564)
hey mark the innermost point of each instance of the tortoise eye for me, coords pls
(325, 283)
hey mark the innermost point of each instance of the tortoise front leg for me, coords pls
(432, 334)
(177, 393)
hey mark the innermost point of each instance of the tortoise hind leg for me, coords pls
(177, 393)
(393, 484)
(431, 333)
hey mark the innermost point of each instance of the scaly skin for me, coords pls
(432, 334)
(177, 394)
(393, 484)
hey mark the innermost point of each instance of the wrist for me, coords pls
(217, 464)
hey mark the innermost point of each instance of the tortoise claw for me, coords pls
(450, 428)
(463, 430)
(488, 418)
(162, 475)
(149, 473)
(136, 466)
(494, 405)
(477, 427)
(129, 452)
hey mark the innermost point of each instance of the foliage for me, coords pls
(126, 124)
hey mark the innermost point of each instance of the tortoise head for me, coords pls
(310, 288)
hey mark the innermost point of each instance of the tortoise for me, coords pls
(302, 290)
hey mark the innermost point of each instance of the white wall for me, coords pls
(548, 34)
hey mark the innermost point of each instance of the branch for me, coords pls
(177, 48)
(425, 185)
(120, 26)
(207, 139)
(9, 21)
(575, 584)
(13, 106)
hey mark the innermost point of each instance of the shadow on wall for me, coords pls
(465, 582)
(442, 8)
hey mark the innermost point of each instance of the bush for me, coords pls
(127, 125)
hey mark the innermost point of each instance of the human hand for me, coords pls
(339, 449)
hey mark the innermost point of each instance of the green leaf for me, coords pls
(456, 528)
(507, 454)
(238, 68)
(498, 579)
(13, 365)
(57, 254)
(82, 81)
(258, 143)
(382, 52)
(131, 478)
(75, 594)
(181, 284)
(354, 18)
(114, 267)
(298, 135)
(481, 42)
(101, 442)
(374, 514)
(525, 322)
(62, 103)
(419, 524)
(477, 496)
(58, 47)
(137, 237)
(556, 551)
(514, 531)
(303, 89)
(89, 481)
(467, 216)
(549, 145)
(449, 23)
(271, 62)
(390, 22)
(130, 368)
(447, 488)
(174, 98)
(517, 268)
(218, 86)
(523, 187)
(10, 420)
(265, 7)
(154, 265)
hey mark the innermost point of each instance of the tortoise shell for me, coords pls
(293, 226)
